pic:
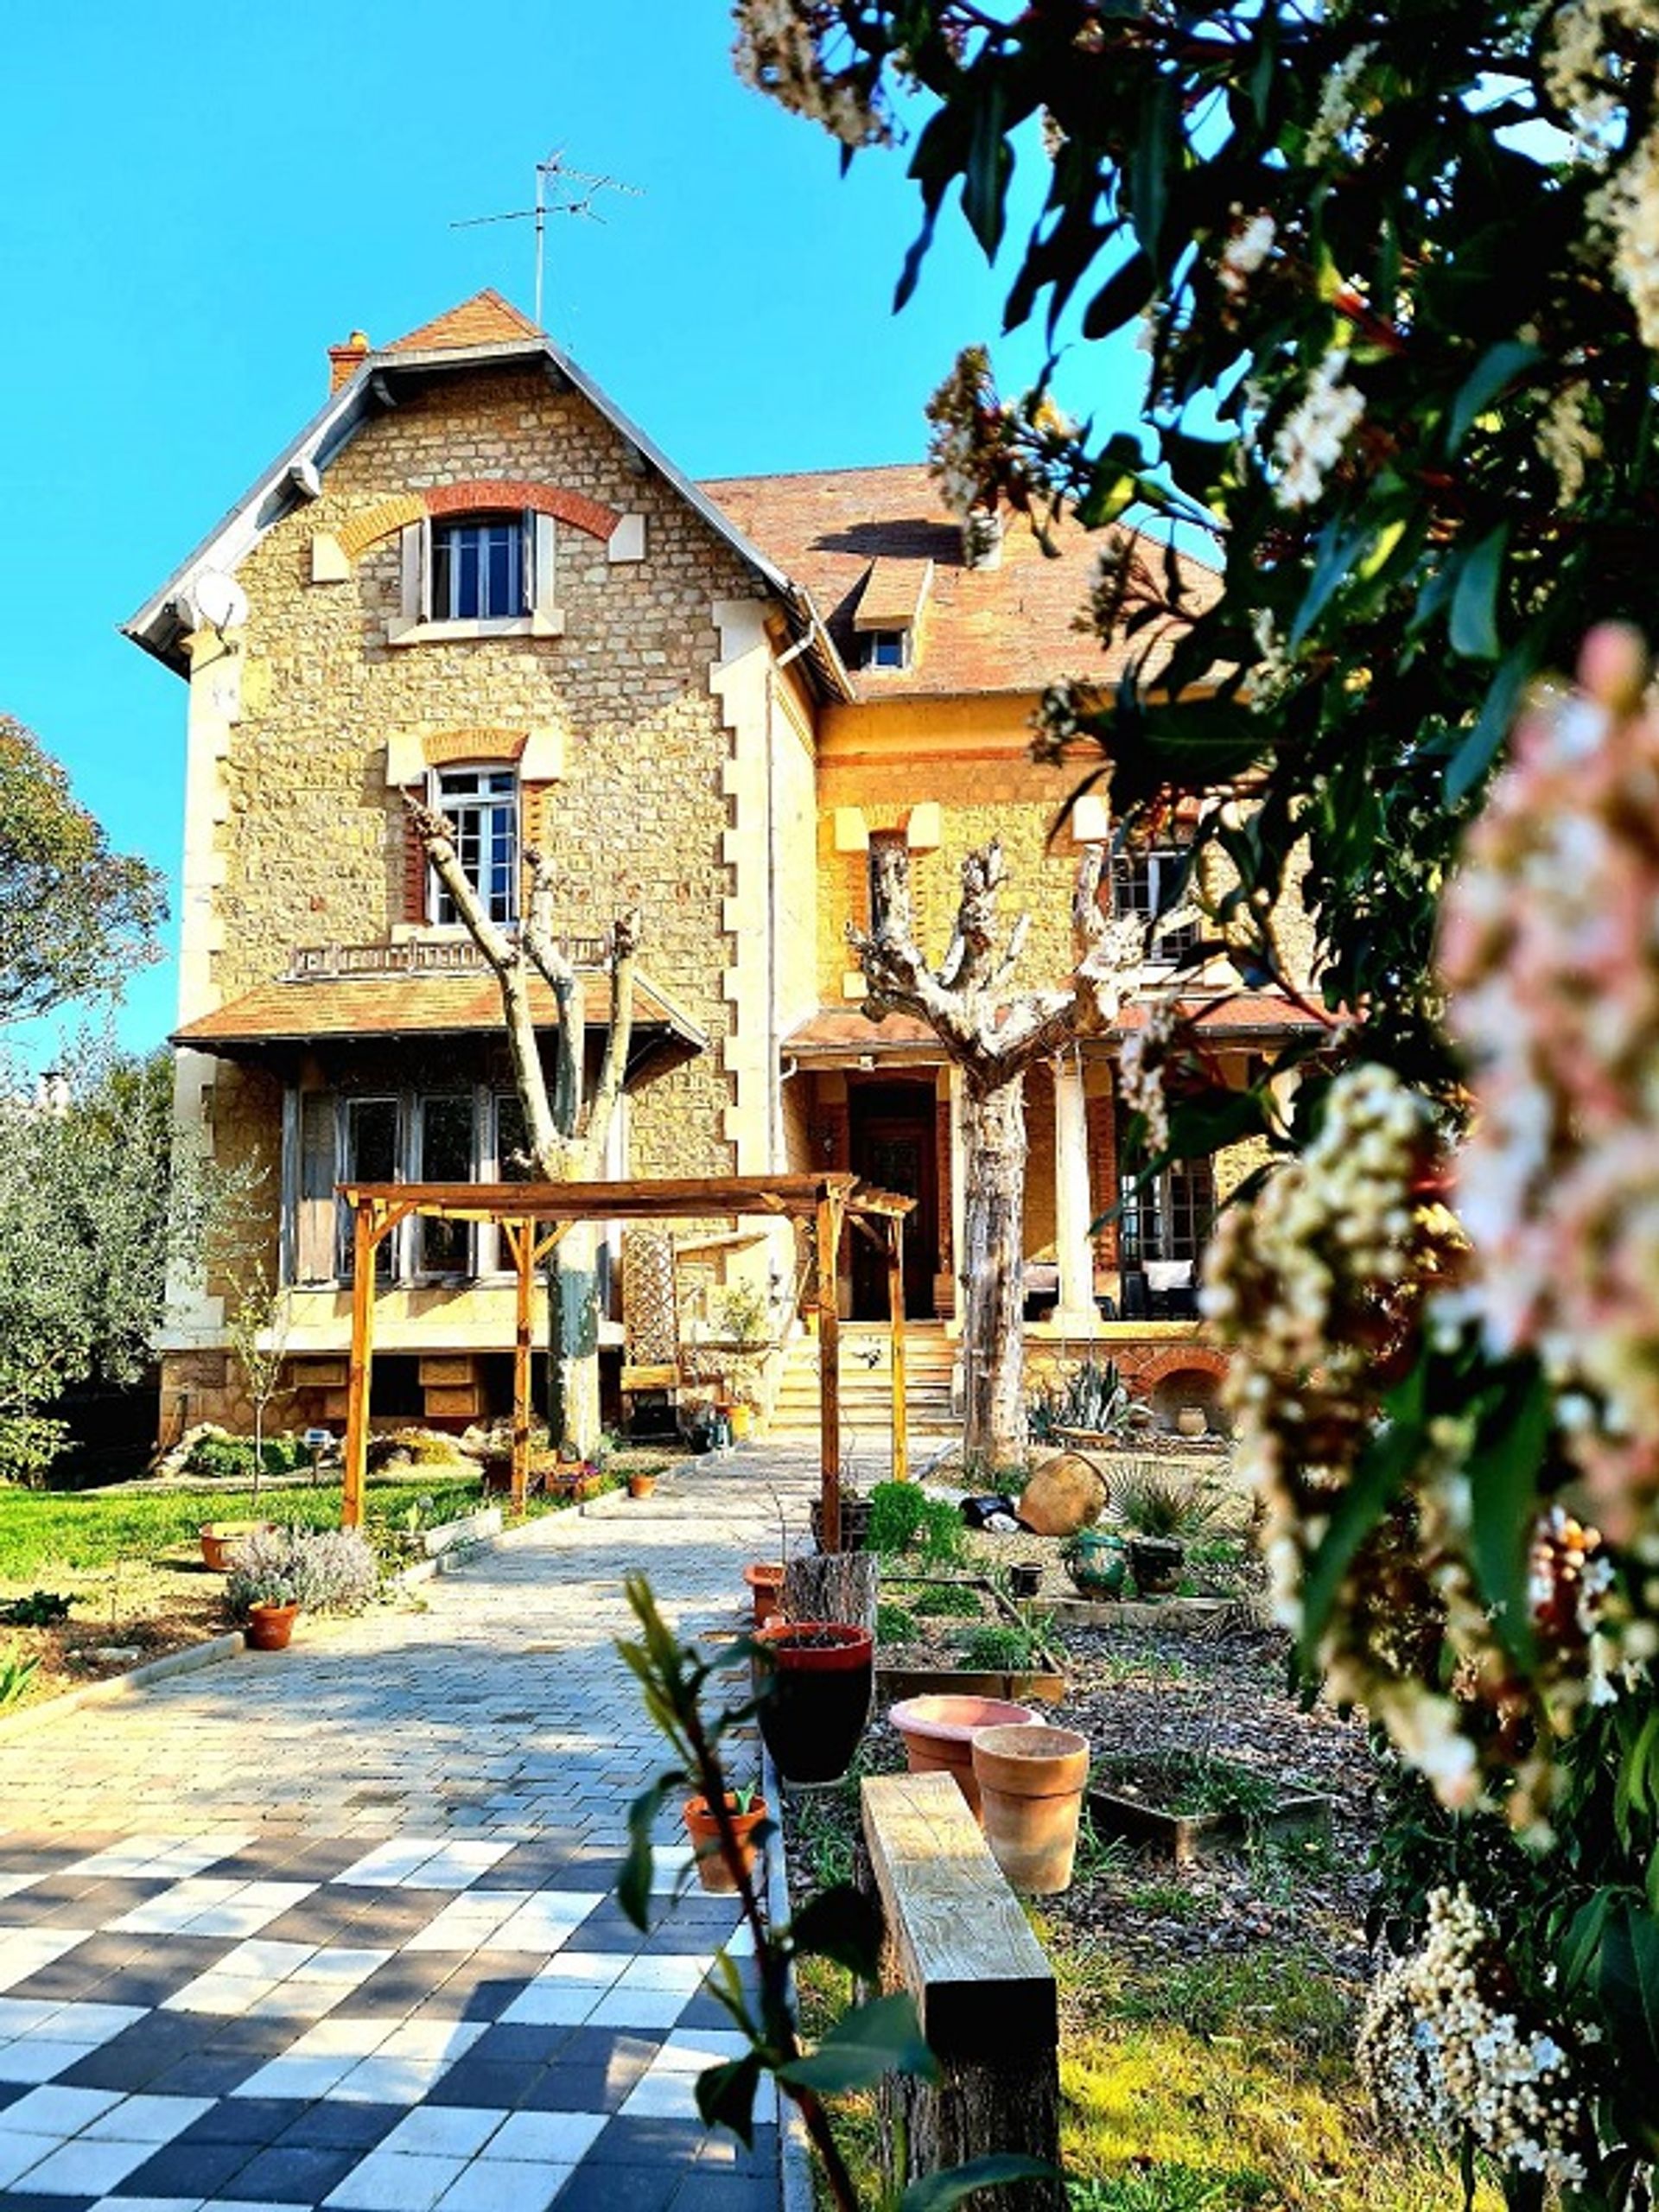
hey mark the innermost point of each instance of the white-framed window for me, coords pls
(446, 1151)
(1168, 1218)
(1153, 882)
(371, 1151)
(481, 568)
(886, 648)
(482, 803)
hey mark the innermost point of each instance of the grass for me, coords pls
(46, 1531)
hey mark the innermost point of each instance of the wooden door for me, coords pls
(895, 1150)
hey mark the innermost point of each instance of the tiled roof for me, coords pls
(423, 1006)
(836, 1030)
(484, 320)
(1010, 628)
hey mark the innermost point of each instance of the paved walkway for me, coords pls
(333, 1927)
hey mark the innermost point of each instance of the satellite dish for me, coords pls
(220, 599)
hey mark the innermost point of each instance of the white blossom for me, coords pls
(1311, 438)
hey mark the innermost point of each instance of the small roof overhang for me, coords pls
(370, 1009)
(846, 1037)
(162, 629)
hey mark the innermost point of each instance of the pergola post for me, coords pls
(521, 1237)
(358, 1374)
(896, 1327)
(830, 1372)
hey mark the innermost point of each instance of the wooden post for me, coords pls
(896, 1319)
(521, 1237)
(828, 1374)
(358, 1378)
(957, 1938)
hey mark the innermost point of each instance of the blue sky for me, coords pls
(195, 202)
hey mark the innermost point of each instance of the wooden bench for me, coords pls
(958, 1940)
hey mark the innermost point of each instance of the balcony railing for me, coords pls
(334, 963)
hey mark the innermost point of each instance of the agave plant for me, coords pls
(1093, 1396)
(1147, 1500)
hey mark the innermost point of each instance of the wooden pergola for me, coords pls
(534, 1216)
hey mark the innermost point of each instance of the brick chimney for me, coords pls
(982, 537)
(345, 361)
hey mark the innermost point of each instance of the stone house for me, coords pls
(472, 577)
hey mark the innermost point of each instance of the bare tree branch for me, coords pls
(538, 941)
(619, 1038)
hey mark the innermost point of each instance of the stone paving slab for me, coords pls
(335, 1927)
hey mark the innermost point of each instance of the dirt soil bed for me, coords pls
(120, 1618)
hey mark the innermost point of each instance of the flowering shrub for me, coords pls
(324, 1571)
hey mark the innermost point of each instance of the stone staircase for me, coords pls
(867, 1385)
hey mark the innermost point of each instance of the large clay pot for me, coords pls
(270, 1627)
(1192, 1421)
(765, 1581)
(1031, 1785)
(938, 1733)
(819, 1682)
(703, 1829)
(220, 1540)
(1097, 1562)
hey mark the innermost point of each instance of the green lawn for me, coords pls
(40, 1530)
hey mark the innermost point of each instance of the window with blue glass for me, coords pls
(482, 803)
(479, 573)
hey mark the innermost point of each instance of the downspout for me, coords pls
(774, 1079)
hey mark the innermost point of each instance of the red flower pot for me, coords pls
(703, 1828)
(270, 1627)
(816, 1704)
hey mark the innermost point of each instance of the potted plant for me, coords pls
(765, 1581)
(1031, 1784)
(221, 1541)
(746, 1813)
(1160, 1514)
(272, 1606)
(814, 1703)
(641, 1481)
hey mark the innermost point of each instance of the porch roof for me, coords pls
(840, 1035)
(290, 1012)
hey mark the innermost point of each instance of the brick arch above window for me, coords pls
(478, 495)
(538, 753)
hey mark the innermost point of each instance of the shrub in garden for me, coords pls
(904, 1519)
(328, 1570)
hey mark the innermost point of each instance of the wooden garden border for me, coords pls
(534, 1216)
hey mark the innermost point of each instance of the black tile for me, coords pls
(474, 1997)
(621, 2187)
(320, 1919)
(338, 2124)
(141, 2054)
(646, 2142)
(484, 2086)
(610, 2047)
(292, 2174)
(404, 1982)
(24, 2200)
(195, 2169)
(721, 2150)
(578, 2089)
(10, 2091)
(64, 1982)
(519, 2044)
(252, 2038)
(705, 2189)
(202, 2074)
(251, 2120)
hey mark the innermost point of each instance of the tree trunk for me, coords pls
(992, 1273)
(831, 1586)
(573, 1341)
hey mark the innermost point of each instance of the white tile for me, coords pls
(58, 2111)
(693, 2050)
(340, 1963)
(557, 2138)
(21, 2016)
(740, 1943)
(345, 2035)
(214, 1992)
(146, 2119)
(661, 2096)
(488, 2185)
(671, 1866)
(301, 1999)
(88, 2023)
(427, 2039)
(547, 1922)
(382, 2081)
(390, 1862)
(598, 1968)
(469, 1922)
(36, 2058)
(622, 2007)
(150, 2205)
(393, 2181)
(555, 2004)
(269, 1961)
(24, 1951)
(86, 2169)
(448, 2131)
(10, 1884)
(19, 2152)
(667, 1970)
(308, 2078)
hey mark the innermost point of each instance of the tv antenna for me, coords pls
(560, 190)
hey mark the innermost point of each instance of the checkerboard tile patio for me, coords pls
(336, 1928)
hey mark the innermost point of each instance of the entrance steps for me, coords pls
(866, 1384)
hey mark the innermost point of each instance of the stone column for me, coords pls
(959, 1194)
(1076, 1314)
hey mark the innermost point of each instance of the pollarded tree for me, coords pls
(75, 917)
(994, 1033)
(565, 1130)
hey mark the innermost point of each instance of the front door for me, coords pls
(893, 1146)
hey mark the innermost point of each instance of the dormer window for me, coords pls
(1150, 885)
(481, 568)
(888, 615)
(886, 649)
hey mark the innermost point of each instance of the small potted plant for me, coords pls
(270, 1607)
(1160, 1515)
(221, 1541)
(746, 1813)
(641, 1481)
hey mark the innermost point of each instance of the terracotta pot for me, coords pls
(270, 1627)
(815, 1707)
(641, 1485)
(939, 1732)
(1192, 1421)
(1031, 1785)
(765, 1581)
(704, 1831)
(220, 1538)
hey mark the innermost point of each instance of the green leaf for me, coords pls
(1125, 292)
(1497, 367)
(633, 1888)
(726, 2095)
(1473, 627)
(884, 2036)
(1628, 1984)
(1502, 1471)
(985, 182)
(1479, 750)
(1339, 551)
(841, 1923)
(938, 2192)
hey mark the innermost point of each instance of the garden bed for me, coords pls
(938, 1636)
(1181, 1804)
